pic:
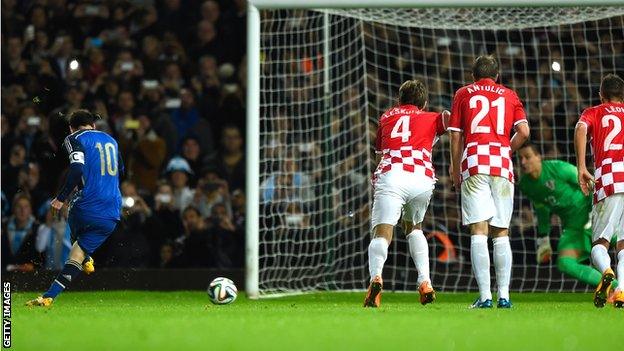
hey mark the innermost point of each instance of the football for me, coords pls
(222, 291)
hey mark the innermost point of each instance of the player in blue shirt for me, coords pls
(95, 204)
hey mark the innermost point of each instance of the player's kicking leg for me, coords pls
(91, 234)
(71, 270)
(88, 265)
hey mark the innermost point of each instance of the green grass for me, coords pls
(133, 320)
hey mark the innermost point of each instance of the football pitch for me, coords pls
(184, 320)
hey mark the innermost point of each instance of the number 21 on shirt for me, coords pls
(484, 103)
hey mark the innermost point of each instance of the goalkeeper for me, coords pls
(552, 187)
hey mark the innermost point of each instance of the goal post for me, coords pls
(304, 142)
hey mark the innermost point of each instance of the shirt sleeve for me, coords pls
(74, 177)
(519, 113)
(440, 127)
(455, 120)
(587, 120)
(74, 150)
(568, 173)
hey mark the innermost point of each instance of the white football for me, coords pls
(222, 291)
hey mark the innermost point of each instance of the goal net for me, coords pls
(327, 75)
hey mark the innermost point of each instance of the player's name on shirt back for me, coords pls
(614, 109)
(401, 111)
(491, 88)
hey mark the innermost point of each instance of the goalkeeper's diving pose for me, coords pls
(552, 187)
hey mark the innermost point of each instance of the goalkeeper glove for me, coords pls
(544, 251)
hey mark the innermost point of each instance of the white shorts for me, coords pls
(398, 190)
(608, 218)
(487, 198)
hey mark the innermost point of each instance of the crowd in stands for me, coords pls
(167, 79)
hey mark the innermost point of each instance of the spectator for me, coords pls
(179, 171)
(167, 258)
(225, 238)
(210, 193)
(53, 239)
(151, 52)
(153, 105)
(286, 186)
(19, 234)
(12, 62)
(10, 170)
(197, 251)
(29, 180)
(146, 153)
(62, 51)
(230, 162)
(188, 122)
(192, 154)
(207, 42)
(165, 225)
(238, 209)
(124, 121)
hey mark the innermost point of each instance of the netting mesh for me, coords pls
(318, 124)
(482, 18)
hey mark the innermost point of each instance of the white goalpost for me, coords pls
(319, 74)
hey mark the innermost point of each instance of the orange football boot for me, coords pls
(618, 299)
(373, 296)
(604, 288)
(427, 294)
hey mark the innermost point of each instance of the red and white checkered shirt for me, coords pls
(486, 113)
(406, 159)
(405, 138)
(609, 179)
(604, 125)
(493, 159)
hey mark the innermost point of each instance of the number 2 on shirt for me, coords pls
(617, 128)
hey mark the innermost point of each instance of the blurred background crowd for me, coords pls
(167, 79)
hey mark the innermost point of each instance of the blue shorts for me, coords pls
(90, 232)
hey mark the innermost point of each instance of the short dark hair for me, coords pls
(532, 146)
(413, 92)
(612, 87)
(82, 118)
(485, 66)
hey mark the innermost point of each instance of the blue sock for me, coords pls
(71, 270)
